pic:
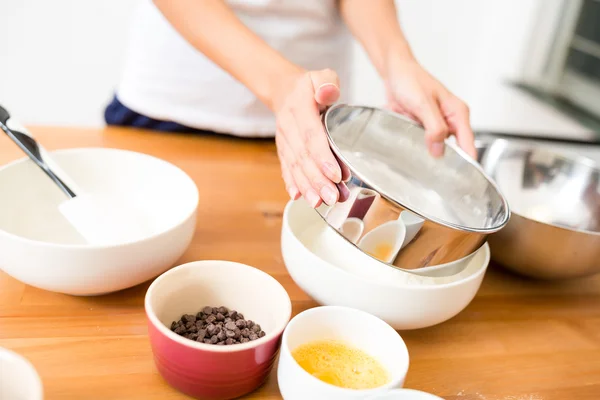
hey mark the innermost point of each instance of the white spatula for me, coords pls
(101, 218)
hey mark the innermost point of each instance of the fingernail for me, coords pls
(328, 84)
(437, 149)
(293, 192)
(333, 172)
(312, 198)
(329, 195)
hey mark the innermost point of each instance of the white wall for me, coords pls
(64, 56)
(466, 44)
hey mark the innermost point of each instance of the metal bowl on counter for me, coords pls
(406, 208)
(554, 230)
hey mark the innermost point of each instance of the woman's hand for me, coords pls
(412, 91)
(296, 97)
(308, 166)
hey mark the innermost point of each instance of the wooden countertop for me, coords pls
(518, 340)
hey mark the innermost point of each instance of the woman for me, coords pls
(260, 68)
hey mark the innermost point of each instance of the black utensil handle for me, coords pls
(29, 145)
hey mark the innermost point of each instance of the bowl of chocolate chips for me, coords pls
(215, 327)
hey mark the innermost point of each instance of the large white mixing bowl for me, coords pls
(388, 293)
(39, 247)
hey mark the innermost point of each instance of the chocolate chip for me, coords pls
(230, 326)
(210, 329)
(188, 318)
(217, 326)
(240, 323)
(180, 330)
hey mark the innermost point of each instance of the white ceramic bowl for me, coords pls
(357, 328)
(39, 247)
(343, 276)
(18, 378)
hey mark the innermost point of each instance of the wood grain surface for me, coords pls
(518, 340)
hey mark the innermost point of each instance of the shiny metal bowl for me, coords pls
(554, 230)
(406, 208)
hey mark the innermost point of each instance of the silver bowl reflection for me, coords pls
(554, 230)
(406, 208)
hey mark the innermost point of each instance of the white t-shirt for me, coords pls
(166, 78)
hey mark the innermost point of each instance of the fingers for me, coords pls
(345, 170)
(283, 153)
(313, 139)
(326, 87)
(313, 155)
(436, 129)
(308, 166)
(457, 115)
(314, 186)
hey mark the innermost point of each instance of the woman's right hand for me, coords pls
(308, 166)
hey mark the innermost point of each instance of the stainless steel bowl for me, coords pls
(554, 230)
(406, 208)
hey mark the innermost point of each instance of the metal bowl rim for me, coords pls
(588, 162)
(452, 146)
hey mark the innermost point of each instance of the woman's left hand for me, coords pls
(412, 91)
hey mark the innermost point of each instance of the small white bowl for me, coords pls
(39, 247)
(18, 378)
(344, 276)
(357, 328)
